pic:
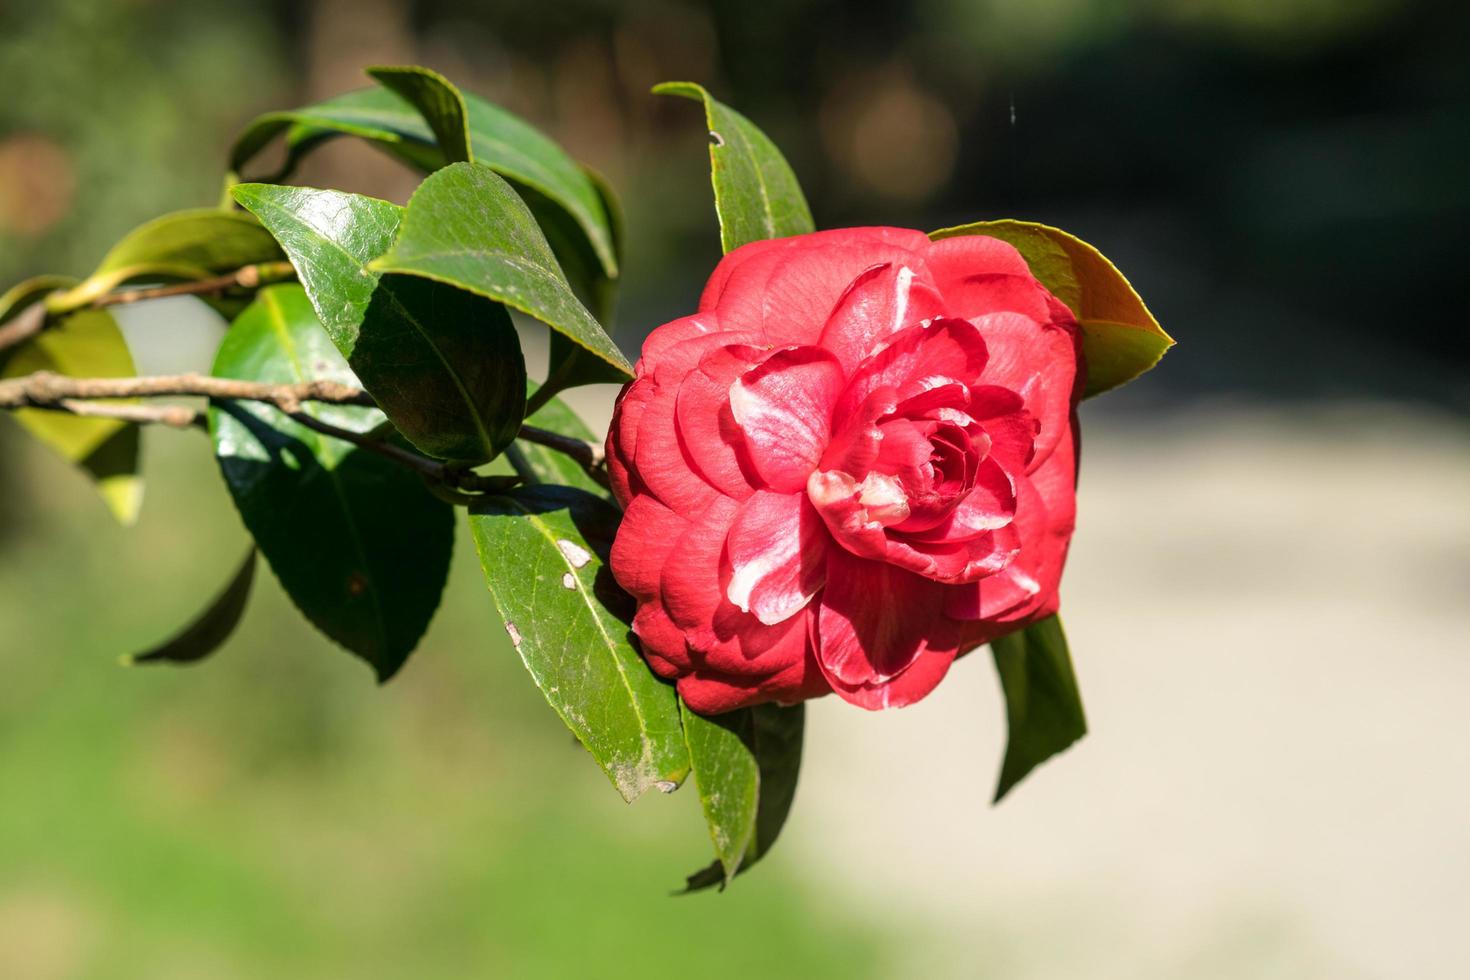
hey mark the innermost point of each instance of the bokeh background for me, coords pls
(1267, 596)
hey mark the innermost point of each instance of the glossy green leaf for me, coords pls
(1120, 337)
(544, 552)
(85, 345)
(550, 466)
(519, 152)
(181, 246)
(745, 765)
(437, 101)
(444, 364)
(356, 540)
(211, 628)
(464, 226)
(1043, 705)
(756, 194)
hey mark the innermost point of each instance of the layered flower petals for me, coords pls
(784, 409)
(880, 302)
(856, 461)
(777, 553)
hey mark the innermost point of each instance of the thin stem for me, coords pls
(173, 416)
(25, 325)
(245, 277)
(59, 392)
(589, 454)
(432, 469)
(45, 388)
(34, 318)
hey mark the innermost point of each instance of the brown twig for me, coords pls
(433, 469)
(25, 325)
(245, 277)
(33, 319)
(588, 454)
(173, 416)
(59, 392)
(45, 388)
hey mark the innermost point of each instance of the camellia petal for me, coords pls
(784, 408)
(777, 551)
(879, 303)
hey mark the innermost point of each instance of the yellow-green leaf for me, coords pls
(181, 246)
(1120, 337)
(85, 345)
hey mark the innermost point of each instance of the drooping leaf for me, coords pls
(185, 245)
(437, 101)
(506, 143)
(211, 628)
(464, 226)
(355, 539)
(756, 194)
(1120, 337)
(556, 468)
(544, 550)
(85, 345)
(444, 364)
(1043, 705)
(745, 766)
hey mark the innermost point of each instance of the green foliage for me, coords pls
(211, 627)
(410, 117)
(437, 101)
(544, 554)
(184, 245)
(550, 466)
(1120, 337)
(357, 541)
(86, 344)
(445, 365)
(1043, 705)
(745, 765)
(465, 227)
(756, 194)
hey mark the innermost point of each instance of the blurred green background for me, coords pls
(1284, 182)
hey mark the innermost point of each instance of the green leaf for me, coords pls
(356, 540)
(444, 364)
(85, 345)
(465, 227)
(185, 245)
(756, 194)
(550, 466)
(745, 767)
(506, 143)
(544, 551)
(23, 294)
(211, 628)
(1043, 705)
(437, 101)
(1120, 337)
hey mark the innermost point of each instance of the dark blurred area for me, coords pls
(1282, 179)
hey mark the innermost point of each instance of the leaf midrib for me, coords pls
(597, 617)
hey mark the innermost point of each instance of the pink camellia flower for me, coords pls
(855, 462)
